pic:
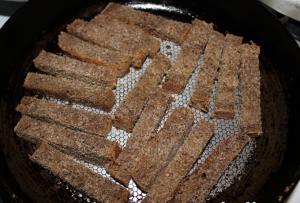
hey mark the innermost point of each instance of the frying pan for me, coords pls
(273, 169)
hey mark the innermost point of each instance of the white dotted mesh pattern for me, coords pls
(223, 127)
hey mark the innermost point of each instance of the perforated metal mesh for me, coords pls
(223, 128)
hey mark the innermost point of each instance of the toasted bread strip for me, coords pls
(107, 38)
(228, 79)
(198, 35)
(208, 72)
(76, 91)
(250, 111)
(77, 119)
(181, 70)
(141, 134)
(135, 33)
(94, 54)
(75, 69)
(80, 177)
(90, 148)
(187, 60)
(162, 148)
(182, 163)
(196, 187)
(132, 105)
(158, 26)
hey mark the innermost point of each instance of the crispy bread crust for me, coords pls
(80, 177)
(77, 119)
(249, 110)
(228, 80)
(90, 148)
(199, 183)
(187, 60)
(162, 148)
(136, 33)
(94, 54)
(158, 26)
(141, 134)
(109, 38)
(132, 105)
(76, 91)
(182, 163)
(75, 69)
(208, 72)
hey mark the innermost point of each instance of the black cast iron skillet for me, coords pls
(274, 167)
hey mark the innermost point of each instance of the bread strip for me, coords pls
(76, 91)
(182, 163)
(132, 105)
(162, 148)
(77, 119)
(75, 69)
(110, 39)
(250, 111)
(196, 187)
(198, 35)
(90, 148)
(228, 79)
(158, 26)
(94, 54)
(208, 72)
(135, 33)
(81, 178)
(187, 60)
(141, 134)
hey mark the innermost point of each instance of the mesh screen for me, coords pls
(223, 128)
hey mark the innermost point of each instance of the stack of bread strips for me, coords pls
(132, 105)
(80, 177)
(77, 119)
(208, 72)
(107, 38)
(74, 69)
(92, 53)
(133, 32)
(196, 186)
(86, 147)
(158, 26)
(159, 151)
(249, 89)
(228, 80)
(72, 90)
(187, 59)
(142, 132)
(182, 163)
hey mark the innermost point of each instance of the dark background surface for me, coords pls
(8, 8)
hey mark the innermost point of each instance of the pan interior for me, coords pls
(223, 127)
(246, 175)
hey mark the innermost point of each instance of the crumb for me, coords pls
(287, 188)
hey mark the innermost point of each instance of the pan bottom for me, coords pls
(223, 127)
